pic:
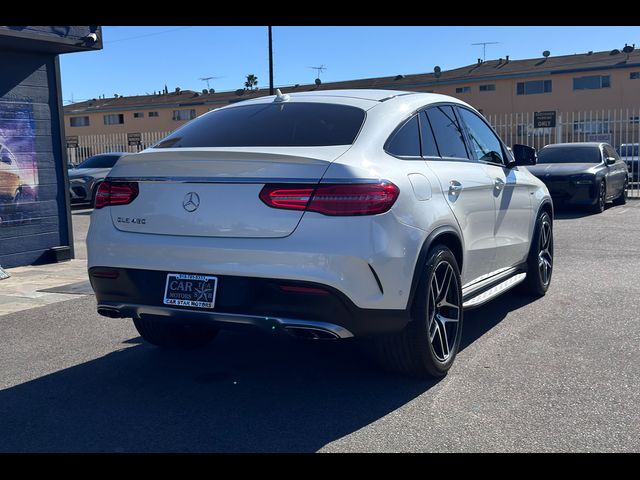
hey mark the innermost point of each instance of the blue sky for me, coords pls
(139, 60)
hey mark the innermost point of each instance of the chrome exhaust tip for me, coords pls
(109, 312)
(310, 333)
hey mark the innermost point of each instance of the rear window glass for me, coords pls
(586, 154)
(271, 125)
(406, 141)
(100, 161)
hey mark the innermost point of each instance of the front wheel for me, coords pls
(167, 334)
(540, 259)
(430, 342)
(602, 199)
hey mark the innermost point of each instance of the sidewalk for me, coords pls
(35, 286)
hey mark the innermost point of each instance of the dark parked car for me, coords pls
(588, 174)
(85, 179)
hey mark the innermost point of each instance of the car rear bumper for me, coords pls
(299, 308)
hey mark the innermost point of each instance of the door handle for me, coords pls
(498, 184)
(455, 188)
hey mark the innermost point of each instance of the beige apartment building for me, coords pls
(596, 88)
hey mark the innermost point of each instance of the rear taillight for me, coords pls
(343, 199)
(116, 193)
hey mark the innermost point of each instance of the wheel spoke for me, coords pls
(444, 342)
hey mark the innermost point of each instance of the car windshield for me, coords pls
(583, 154)
(628, 150)
(100, 161)
(271, 125)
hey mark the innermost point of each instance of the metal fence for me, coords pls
(615, 127)
(88, 145)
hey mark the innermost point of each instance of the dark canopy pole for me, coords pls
(270, 64)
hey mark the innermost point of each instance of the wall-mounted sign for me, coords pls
(72, 141)
(134, 139)
(544, 119)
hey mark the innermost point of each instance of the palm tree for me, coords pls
(251, 83)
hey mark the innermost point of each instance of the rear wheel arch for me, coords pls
(444, 235)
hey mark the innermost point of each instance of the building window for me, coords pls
(463, 89)
(79, 121)
(138, 115)
(154, 114)
(591, 126)
(592, 82)
(533, 87)
(490, 87)
(184, 114)
(634, 75)
(114, 119)
(634, 120)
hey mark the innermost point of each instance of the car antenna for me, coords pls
(280, 97)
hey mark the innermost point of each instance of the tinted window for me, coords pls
(447, 132)
(100, 161)
(271, 125)
(610, 152)
(429, 147)
(484, 142)
(406, 141)
(578, 154)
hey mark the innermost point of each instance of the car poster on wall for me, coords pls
(18, 166)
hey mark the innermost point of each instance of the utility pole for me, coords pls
(270, 63)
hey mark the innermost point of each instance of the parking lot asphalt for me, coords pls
(561, 373)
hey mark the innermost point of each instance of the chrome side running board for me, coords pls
(494, 291)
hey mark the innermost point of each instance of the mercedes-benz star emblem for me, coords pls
(191, 202)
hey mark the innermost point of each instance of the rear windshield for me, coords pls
(100, 161)
(271, 125)
(628, 150)
(569, 155)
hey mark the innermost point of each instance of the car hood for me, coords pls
(88, 172)
(561, 168)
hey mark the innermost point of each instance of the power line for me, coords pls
(146, 35)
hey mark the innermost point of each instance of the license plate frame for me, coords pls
(190, 290)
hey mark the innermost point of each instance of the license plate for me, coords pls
(186, 290)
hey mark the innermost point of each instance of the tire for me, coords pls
(622, 198)
(167, 334)
(540, 259)
(602, 198)
(414, 351)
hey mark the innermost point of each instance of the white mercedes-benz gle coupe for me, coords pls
(326, 215)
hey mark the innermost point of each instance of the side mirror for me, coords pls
(610, 160)
(524, 155)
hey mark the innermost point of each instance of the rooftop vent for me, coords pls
(546, 54)
(615, 51)
(628, 48)
(506, 59)
(240, 91)
(177, 90)
(437, 71)
(205, 91)
(399, 77)
(590, 52)
(479, 61)
(318, 82)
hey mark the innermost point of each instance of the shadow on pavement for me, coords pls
(247, 392)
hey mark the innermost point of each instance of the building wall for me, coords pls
(29, 129)
(623, 93)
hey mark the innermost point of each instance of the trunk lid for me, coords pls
(213, 192)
